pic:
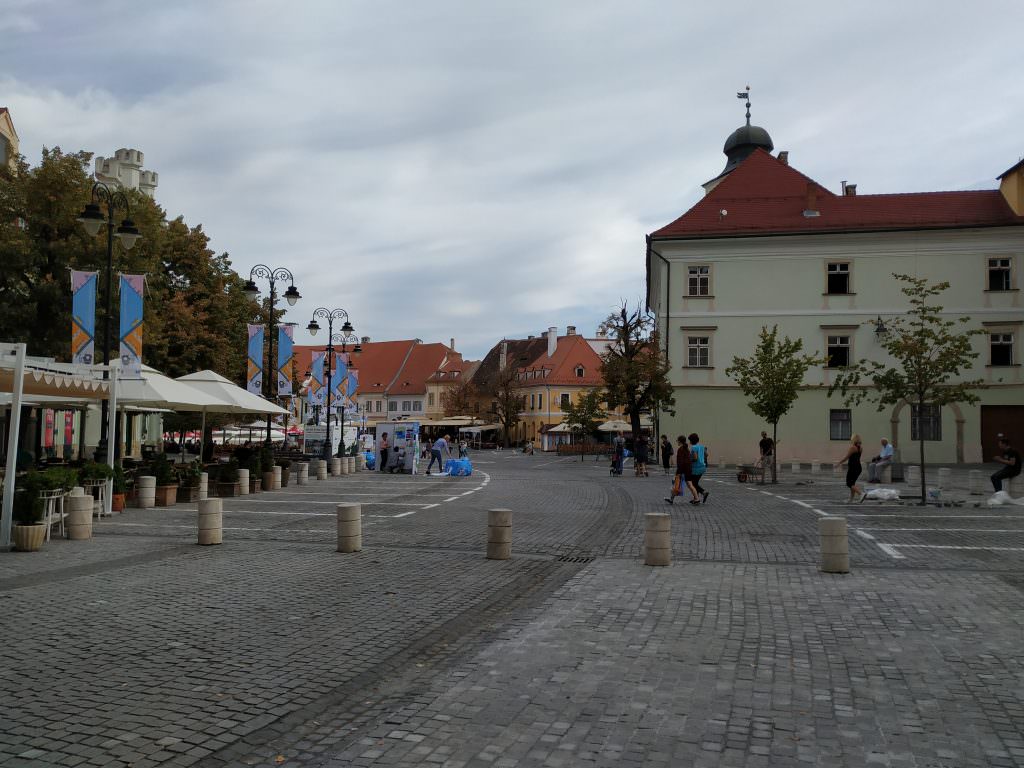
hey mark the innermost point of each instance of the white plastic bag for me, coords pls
(882, 494)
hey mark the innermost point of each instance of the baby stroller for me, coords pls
(615, 468)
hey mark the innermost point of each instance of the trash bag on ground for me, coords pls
(882, 494)
(371, 460)
(1001, 498)
(458, 467)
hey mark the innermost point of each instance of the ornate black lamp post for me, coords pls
(291, 295)
(92, 220)
(345, 337)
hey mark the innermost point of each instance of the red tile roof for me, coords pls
(424, 360)
(378, 364)
(571, 352)
(765, 196)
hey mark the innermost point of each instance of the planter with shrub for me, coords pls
(190, 479)
(285, 465)
(227, 479)
(28, 531)
(166, 481)
(117, 500)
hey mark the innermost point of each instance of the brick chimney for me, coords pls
(784, 157)
(570, 330)
(503, 356)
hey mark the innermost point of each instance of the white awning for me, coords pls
(236, 399)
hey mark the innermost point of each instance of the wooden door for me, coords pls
(1005, 419)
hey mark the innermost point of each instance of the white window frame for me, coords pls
(829, 343)
(1003, 265)
(392, 406)
(698, 281)
(840, 268)
(1006, 340)
(565, 401)
(932, 419)
(581, 372)
(836, 430)
(696, 343)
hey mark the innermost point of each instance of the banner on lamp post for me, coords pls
(338, 376)
(254, 360)
(316, 392)
(131, 326)
(83, 317)
(284, 359)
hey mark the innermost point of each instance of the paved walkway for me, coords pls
(139, 648)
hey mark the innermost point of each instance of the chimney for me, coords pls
(850, 190)
(552, 340)
(531, 336)
(364, 340)
(601, 333)
(570, 330)
(452, 345)
(503, 356)
(784, 157)
(811, 209)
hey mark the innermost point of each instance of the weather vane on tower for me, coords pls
(745, 95)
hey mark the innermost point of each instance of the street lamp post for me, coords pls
(92, 220)
(291, 295)
(345, 337)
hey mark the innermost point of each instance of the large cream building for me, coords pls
(768, 245)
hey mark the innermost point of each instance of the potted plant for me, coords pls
(190, 479)
(117, 499)
(267, 460)
(285, 465)
(28, 531)
(166, 481)
(227, 479)
(94, 470)
(255, 467)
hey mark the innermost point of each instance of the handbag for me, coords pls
(677, 485)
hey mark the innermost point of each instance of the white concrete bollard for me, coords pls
(243, 482)
(815, 467)
(321, 469)
(301, 473)
(79, 517)
(204, 486)
(77, 491)
(499, 534)
(352, 465)
(1015, 486)
(145, 487)
(211, 522)
(277, 477)
(360, 462)
(343, 465)
(335, 466)
(912, 475)
(722, 464)
(835, 545)
(976, 482)
(794, 465)
(945, 478)
(268, 480)
(657, 539)
(350, 527)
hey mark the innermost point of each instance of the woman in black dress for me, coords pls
(666, 453)
(853, 469)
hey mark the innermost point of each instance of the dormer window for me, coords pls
(580, 373)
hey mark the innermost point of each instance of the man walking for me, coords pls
(1011, 460)
(880, 462)
(437, 450)
(383, 451)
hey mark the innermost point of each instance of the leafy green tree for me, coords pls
(771, 379)
(584, 414)
(634, 368)
(928, 352)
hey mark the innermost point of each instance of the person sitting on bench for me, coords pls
(880, 462)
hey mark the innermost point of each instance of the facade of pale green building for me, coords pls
(769, 246)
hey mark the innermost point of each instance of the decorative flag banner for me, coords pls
(254, 364)
(353, 382)
(338, 378)
(131, 326)
(284, 360)
(316, 393)
(69, 429)
(83, 317)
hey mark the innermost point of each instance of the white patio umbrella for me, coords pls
(164, 392)
(240, 400)
(615, 426)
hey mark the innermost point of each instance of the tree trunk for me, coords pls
(920, 441)
(775, 453)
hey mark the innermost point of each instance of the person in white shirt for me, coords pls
(880, 462)
(437, 451)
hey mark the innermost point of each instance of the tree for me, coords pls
(583, 415)
(926, 351)
(771, 379)
(634, 368)
(458, 399)
(508, 403)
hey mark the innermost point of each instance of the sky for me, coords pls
(485, 170)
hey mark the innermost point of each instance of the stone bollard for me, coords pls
(204, 486)
(145, 486)
(795, 465)
(335, 466)
(277, 477)
(79, 517)
(77, 491)
(268, 481)
(321, 469)
(243, 482)
(913, 475)
(721, 464)
(499, 534)
(835, 545)
(815, 467)
(976, 482)
(351, 465)
(211, 522)
(301, 473)
(360, 462)
(343, 465)
(350, 527)
(945, 478)
(657, 539)
(1015, 486)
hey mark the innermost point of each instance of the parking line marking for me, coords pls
(952, 530)
(954, 546)
(889, 550)
(863, 534)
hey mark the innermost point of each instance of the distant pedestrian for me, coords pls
(852, 460)
(699, 460)
(1010, 458)
(684, 470)
(383, 451)
(640, 461)
(666, 453)
(463, 450)
(880, 462)
(766, 446)
(437, 451)
(618, 452)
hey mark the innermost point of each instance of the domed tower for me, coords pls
(740, 144)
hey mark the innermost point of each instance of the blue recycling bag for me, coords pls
(458, 467)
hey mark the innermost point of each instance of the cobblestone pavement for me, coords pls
(140, 649)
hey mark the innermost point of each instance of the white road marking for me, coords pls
(952, 530)
(952, 546)
(942, 517)
(890, 551)
(863, 534)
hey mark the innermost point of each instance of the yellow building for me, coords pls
(9, 150)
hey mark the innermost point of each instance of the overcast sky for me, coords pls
(482, 169)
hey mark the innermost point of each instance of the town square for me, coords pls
(521, 386)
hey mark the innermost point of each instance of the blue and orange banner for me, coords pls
(338, 376)
(284, 360)
(254, 360)
(83, 317)
(316, 393)
(353, 383)
(131, 325)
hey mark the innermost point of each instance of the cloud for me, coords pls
(484, 170)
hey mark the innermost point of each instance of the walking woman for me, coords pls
(853, 470)
(684, 468)
(640, 460)
(666, 453)
(699, 459)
